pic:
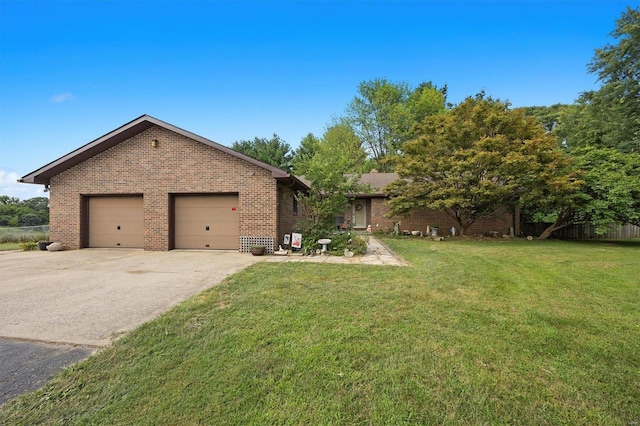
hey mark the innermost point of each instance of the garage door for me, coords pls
(207, 222)
(116, 222)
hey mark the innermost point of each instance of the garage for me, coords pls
(207, 222)
(197, 193)
(116, 222)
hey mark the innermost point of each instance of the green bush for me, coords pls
(311, 234)
(339, 240)
(29, 245)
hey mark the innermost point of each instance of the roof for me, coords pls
(377, 181)
(44, 174)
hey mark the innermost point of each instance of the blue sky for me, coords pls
(71, 71)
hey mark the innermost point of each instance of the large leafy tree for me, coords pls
(305, 151)
(602, 134)
(425, 100)
(610, 116)
(383, 113)
(471, 161)
(333, 172)
(603, 189)
(274, 151)
(548, 117)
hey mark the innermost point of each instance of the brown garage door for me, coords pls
(207, 222)
(116, 222)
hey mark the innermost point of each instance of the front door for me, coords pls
(359, 214)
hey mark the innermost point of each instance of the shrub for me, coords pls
(341, 241)
(29, 245)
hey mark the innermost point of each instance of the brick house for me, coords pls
(151, 185)
(370, 209)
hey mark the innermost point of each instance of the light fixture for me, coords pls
(154, 143)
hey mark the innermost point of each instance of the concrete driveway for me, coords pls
(57, 308)
(92, 296)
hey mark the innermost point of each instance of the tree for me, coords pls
(272, 151)
(610, 116)
(548, 117)
(13, 212)
(473, 160)
(425, 100)
(6, 200)
(383, 113)
(37, 203)
(602, 134)
(346, 146)
(306, 150)
(333, 173)
(29, 219)
(605, 192)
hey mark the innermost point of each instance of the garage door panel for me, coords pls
(123, 214)
(222, 242)
(116, 222)
(200, 214)
(207, 222)
(112, 225)
(117, 202)
(194, 228)
(121, 241)
(204, 201)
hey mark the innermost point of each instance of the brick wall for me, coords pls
(178, 165)
(288, 219)
(500, 221)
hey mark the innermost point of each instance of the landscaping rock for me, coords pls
(55, 247)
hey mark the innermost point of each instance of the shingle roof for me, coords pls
(45, 173)
(378, 181)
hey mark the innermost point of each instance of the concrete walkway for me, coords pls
(377, 254)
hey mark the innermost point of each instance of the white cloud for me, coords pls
(62, 97)
(10, 186)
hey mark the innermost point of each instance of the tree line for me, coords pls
(559, 164)
(31, 212)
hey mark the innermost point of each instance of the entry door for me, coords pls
(359, 214)
(116, 222)
(207, 222)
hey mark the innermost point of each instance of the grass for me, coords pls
(473, 332)
(11, 237)
(9, 246)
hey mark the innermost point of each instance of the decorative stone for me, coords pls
(55, 247)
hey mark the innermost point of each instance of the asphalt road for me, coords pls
(27, 366)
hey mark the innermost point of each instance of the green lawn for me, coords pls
(9, 246)
(473, 332)
(11, 238)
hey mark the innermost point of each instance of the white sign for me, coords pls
(296, 240)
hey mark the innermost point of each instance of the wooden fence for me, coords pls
(583, 232)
